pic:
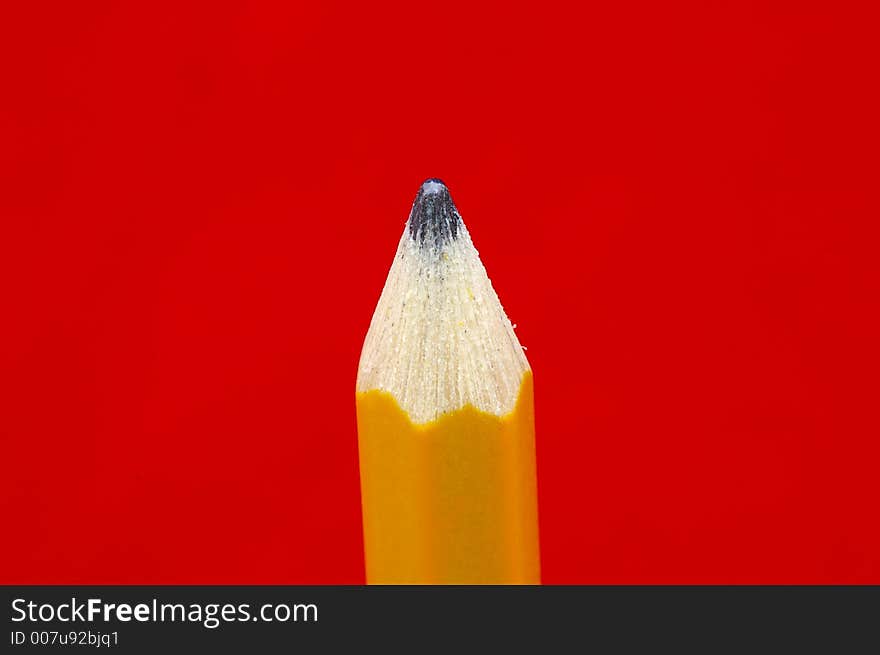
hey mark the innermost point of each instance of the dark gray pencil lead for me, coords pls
(434, 219)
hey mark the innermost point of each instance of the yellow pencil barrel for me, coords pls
(453, 501)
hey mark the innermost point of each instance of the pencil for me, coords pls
(445, 417)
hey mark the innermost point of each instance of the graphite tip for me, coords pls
(433, 185)
(434, 219)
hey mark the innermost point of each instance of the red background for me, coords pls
(676, 203)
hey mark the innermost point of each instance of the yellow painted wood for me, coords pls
(452, 501)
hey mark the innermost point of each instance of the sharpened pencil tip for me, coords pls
(433, 185)
(434, 219)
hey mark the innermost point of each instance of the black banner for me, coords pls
(150, 619)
